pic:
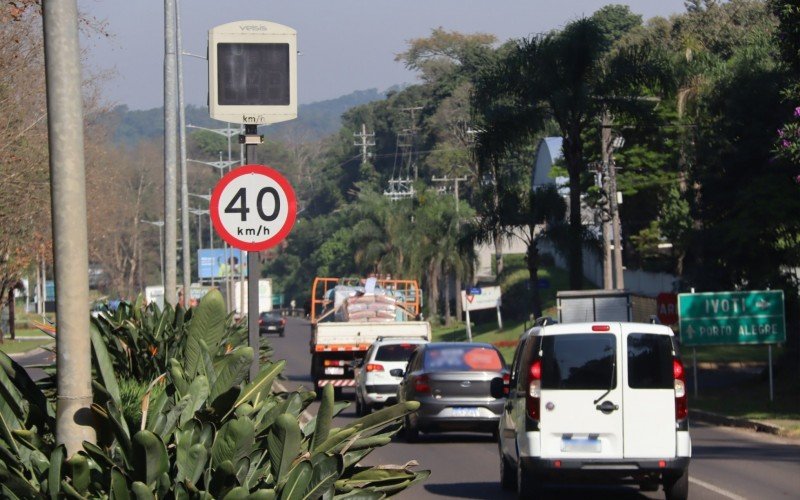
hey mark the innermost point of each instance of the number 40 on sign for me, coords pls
(253, 207)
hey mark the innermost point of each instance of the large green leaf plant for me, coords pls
(203, 431)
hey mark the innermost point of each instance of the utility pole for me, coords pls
(458, 283)
(70, 234)
(413, 132)
(170, 157)
(610, 144)
(605, 141)
(186, 247)
(365, 142)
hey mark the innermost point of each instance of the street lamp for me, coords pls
(219, 165)
(199, 213)
(160, 225)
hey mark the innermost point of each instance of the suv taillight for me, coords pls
(374, 367)
(421, 384)
(533, 396)
(681, 400)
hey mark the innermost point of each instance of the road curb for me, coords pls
(743, 423)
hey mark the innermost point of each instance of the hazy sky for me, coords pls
(346, 45)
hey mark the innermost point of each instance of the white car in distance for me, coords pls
(375, 384)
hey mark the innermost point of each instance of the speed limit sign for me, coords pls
(253, 207)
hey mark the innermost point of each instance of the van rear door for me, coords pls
(581, 397)
(648, 391)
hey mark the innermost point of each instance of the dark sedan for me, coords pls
(453, 384)
(271, 323)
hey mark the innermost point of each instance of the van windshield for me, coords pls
(579, 361)
(650, 361)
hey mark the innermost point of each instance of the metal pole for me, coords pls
(170, 156)
(769, 360)
(186, 250)
(253, 273)
(161, 252)
(694, 369)
(70, 240)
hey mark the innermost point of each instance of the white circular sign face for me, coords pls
(253, 207)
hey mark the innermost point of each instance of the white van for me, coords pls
(596, 402)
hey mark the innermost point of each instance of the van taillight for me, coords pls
(681, 400)
(506, 383)
(534, 394)
(421, 384)
(601, 328)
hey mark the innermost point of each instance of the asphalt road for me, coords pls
(727, 463)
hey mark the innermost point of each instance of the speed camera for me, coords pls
(252, 72)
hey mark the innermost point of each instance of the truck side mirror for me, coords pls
(396, 372)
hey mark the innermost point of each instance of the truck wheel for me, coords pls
(676, 487)
(337, 393)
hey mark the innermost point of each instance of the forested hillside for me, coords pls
(315, 120)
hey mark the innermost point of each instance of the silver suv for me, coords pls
(598, 402)
(375, 384)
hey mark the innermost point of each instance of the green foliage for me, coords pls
(235, 440)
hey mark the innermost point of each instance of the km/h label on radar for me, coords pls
(253, 207)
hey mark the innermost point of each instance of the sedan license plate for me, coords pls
(272, 327)
(581, 445)
(334, 370)
(465, 412)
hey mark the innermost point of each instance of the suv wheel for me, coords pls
(359, 406)
(676, 487)
(529, 486)
(508, 476)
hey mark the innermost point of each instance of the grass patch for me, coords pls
(751, 400)
(733, 353)
(19, 346)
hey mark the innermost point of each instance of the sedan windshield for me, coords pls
(462, 358)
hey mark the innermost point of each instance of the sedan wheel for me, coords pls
(410, 432)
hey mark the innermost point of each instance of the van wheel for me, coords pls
(508, 474)
(529, 486)
(676, 487)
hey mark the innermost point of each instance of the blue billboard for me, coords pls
(219, 262)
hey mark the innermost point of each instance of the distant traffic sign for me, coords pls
(667, 308)
(253, 207)
(732, 318)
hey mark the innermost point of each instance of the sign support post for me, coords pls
(469, 327)
(769, 360)
(251, 139)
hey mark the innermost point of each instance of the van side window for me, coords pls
(515, 363)
(579, 361)
(650, 361)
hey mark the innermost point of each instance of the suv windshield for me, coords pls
(650, 361)
(579, 361)
(462, 358)
(394, 352)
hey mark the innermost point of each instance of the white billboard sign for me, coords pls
(476, 299)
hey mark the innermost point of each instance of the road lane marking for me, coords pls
(305, 416)
(716, 489)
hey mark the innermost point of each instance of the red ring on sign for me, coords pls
(290, 198)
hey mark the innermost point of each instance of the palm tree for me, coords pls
(566, 77)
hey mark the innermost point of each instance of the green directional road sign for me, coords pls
(731, 318)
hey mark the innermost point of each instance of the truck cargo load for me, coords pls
(349, 314)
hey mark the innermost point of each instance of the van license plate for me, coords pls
(334, 370)
(581, 445)
(465, 412)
